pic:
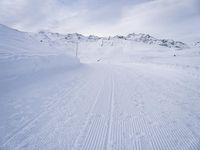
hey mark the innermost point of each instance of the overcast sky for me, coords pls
(179, 19)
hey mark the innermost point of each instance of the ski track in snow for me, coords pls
(111, 107)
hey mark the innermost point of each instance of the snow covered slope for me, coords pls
(21, 54)
(104, 107)
(101, 48)
(142, 38)
(136, 96)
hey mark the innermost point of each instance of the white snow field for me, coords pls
(138, 97)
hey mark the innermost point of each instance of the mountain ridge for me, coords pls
(132, 37)
(140, 38)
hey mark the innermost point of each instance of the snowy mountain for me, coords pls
(22, 55)
(145, 38)
(136, 92)
(95, 48)
(88, 47)
(141, 38)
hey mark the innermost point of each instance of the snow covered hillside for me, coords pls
(134, 93)
(141, 38)
(141, 48)
(103, 48)
(23, 56)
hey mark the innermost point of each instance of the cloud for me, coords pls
(61, 15)
(166, 18)
(34, 14)
(171, 18)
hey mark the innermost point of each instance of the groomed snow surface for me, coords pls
(139, 99)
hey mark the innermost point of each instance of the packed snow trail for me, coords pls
(104, 106)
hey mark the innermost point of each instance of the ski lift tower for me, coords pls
(174, 50)
(76, 48)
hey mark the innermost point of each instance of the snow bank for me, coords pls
(22, 55)
(17, 66)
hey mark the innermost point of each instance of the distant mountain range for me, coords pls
(141, 38)
(65, 39)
